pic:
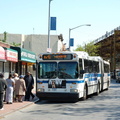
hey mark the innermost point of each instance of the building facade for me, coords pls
(39, 43)
(26, 60)
(35, 42)
(30, 47)
(16, 59)
(8, 59)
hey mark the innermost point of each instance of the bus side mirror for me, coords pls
(82, 71)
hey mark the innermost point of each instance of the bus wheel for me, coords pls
(98, 89)
(85, 93)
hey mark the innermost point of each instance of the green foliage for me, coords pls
(15, 44)
(80, 48)
(5, 37)
(90, 48)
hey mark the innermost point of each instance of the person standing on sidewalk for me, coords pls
(15, 77)
(20, 88)
(9, 91)
(29, 81)
(3, 86)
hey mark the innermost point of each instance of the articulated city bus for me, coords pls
(71, 75)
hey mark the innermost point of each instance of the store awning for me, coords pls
(2, 54)
(25, 55)
(11, 55)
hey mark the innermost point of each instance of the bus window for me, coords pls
(106, 68)
(80, 64)
(86, 66)
(95, 67)
(81, 68)
(90, 66)
(67, 70)
(47, 70)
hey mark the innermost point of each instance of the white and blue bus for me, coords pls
(70, 75)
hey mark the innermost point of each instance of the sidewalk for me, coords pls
(9, 108)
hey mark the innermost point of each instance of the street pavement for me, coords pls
(9, 108)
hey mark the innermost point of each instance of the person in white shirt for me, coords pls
(9, 91)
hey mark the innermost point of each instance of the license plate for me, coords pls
(54, 89)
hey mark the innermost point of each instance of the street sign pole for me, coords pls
(49, 24)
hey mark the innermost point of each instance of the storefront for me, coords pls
(12, 59)
(2, 59)
(26, 59)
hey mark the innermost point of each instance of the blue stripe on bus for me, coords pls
(99, 75)
(42, 81)
(81, 81)
(92, 79)
(108, 74)
(92, 75)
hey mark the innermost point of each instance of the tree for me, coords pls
(80, 48)
(90, 48)
(5, 37)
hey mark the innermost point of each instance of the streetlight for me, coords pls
(49, 25)
(75, 28)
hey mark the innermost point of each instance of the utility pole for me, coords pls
(49, 24)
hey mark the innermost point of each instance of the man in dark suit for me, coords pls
(29, 81)
(3, 86)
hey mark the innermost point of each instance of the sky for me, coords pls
(31, 17)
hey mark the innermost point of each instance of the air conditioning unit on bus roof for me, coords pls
(82, 53)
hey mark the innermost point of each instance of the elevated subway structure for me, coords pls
(109, 48)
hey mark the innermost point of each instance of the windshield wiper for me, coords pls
(64, 75)
(51, 74)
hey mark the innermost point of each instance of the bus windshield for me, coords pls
(62, 70)
(67, 70)
(47, 70)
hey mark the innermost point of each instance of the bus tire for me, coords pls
(98, 89)
(85, 92)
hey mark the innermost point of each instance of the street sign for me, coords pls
(53, 23)
(71, 41)
(49, 50)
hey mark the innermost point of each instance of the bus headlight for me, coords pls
(73, 90)
(40, 90)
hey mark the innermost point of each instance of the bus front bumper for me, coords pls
(57, 96)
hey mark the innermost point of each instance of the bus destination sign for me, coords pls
(57, 57)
